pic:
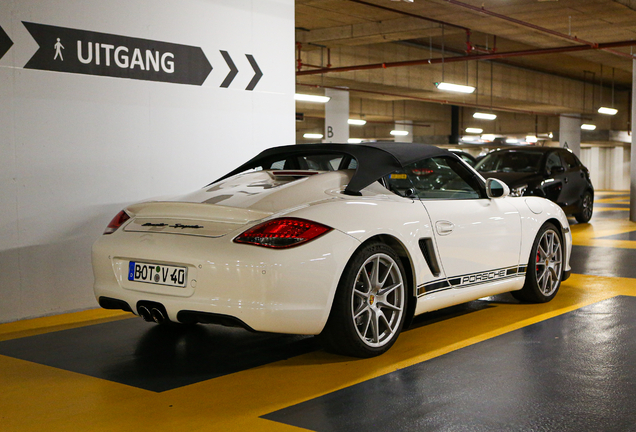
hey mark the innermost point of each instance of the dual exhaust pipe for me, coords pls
(152, 315)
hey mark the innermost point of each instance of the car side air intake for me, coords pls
(428, 250)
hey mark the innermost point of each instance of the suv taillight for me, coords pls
(117, 221)
(282, 233)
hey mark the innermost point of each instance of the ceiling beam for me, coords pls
(471, 57)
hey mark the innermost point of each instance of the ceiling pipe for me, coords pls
(412, 15)
(469, 46)
(494, 56)
(299, 61)
(555, 33)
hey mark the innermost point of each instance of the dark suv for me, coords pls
(553, 173)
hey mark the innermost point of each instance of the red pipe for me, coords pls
(313, 66)
(469, 46)
(492, 56)
(487, 50)
(299, 61)
(300, 64)
(533, 26)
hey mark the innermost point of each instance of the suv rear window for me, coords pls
(569, 159)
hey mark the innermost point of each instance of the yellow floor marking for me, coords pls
(47, 324)
(588, 234)
(615, 199)
(34, 396)
(602, 209)
(616, 192)
(612, 201)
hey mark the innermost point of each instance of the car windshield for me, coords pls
(511, 161)
(434, 178)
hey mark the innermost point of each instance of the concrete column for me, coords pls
(632, 194)
(405, 125)
(616, 168)
(336, 116)
(570, 132)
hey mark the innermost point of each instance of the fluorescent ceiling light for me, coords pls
(488, 137)
(455, 87)
(354, 140)
(474, 130)
(484, 116)
(313, 136)
(531, 139)
(588, 126)
(512, 141)
(399, 132)
(311, 98)
(608, 111)
(357, 122)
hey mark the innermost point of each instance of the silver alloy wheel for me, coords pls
(377, 300)
(587, 207)
(549, 262)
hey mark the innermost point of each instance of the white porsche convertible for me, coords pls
(348, 242)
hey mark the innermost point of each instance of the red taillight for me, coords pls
(117, 221)
(282, 233)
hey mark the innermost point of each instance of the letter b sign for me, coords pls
(329, 132)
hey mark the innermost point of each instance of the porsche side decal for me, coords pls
(471, 279)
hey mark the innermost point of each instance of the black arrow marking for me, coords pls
(233, 70)
(5, 43)
(90, 53)
(257, 72)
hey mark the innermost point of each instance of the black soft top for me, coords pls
(374, 160)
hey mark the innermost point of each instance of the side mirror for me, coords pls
(496, 188)
(557, 170)
(410, 193)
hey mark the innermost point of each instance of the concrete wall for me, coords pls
(609, 166)
(77, 147)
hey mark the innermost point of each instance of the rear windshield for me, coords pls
(511, 161)
(321, 162)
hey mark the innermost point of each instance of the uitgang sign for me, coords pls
(90, 53)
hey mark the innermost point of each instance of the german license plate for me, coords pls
(157, 274)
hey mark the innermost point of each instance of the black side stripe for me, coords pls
(472, 279)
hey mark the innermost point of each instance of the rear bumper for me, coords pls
(282, 291)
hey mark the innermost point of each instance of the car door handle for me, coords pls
(444, 227)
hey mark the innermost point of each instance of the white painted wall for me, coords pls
(609, 166)
(626, 168)
(75, 149)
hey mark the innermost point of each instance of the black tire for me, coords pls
(545, 267)
(369, 306)
(587, 207)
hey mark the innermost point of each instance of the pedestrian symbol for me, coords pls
(58, 50)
